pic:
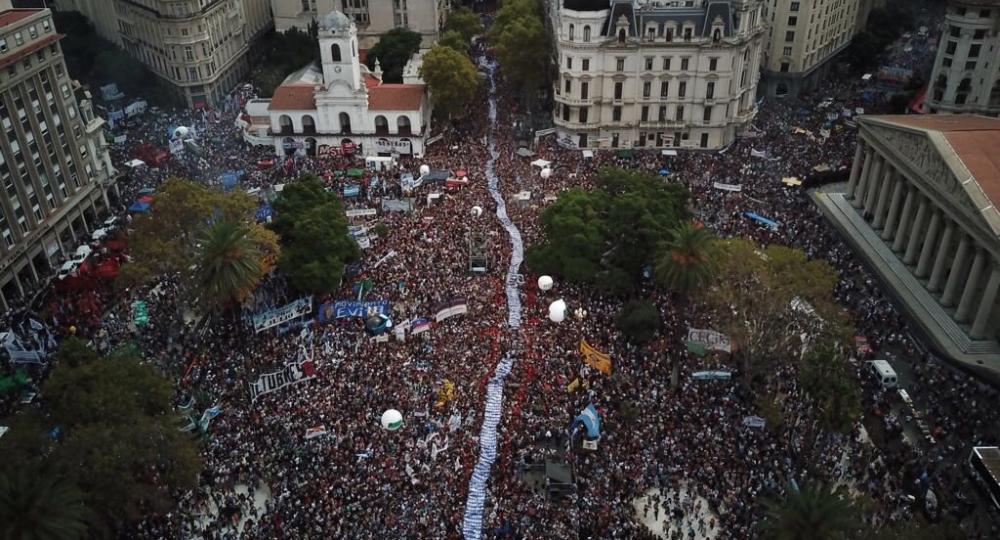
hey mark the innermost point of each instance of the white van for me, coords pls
(884, 373)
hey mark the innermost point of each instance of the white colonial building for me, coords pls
(966, 75)
(340, 105)
(653, 74)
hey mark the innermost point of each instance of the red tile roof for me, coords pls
(293, 97)
(395, 97)
(363, 56)
(13, 15)
(18, 54)
(371, 81)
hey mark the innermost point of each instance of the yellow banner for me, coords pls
(445, 394)
(594, 358)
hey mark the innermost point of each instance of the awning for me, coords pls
(355, 173)
(139, 207)
(625, 153)
(669, 152)
(540, 163)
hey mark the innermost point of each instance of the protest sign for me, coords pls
(283, 314)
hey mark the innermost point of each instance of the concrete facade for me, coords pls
(654, 75)
(966, 76)
(53, 159)
(373, 17)
(920, 206)
(199, 47)
(803, 36)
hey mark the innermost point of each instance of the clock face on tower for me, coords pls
(336, 69)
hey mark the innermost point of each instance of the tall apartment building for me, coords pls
(656, 74)
(804, 36)
(372, 17)
(966, 76)
(53, 161)
(200, 47)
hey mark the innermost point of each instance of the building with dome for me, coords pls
(338, 105)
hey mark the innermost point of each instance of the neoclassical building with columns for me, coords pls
(922, 207)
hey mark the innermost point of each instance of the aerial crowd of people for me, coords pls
(313, 461)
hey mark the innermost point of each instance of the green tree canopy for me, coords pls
(686, 262)
(523, 45)
(74, 352)
(37, 504)
(315, 247)
(465, 22)
(229, 264)
(606, 237)
(451, 77)
(829, 381)
(393, 50)
(283, 53)
(454, 40)
(813, 512)
(639, 320)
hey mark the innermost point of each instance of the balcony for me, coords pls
(664, 124)
(574, 101)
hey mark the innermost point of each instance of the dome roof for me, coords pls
(335, 21)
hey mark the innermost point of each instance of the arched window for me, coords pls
(621, 36)
(782, 90)
(308, 124)
(586, 34)
(285, 123)
(403, 125)
(345, 122)
(381, 125)
(572, 32)
(716, 34)
(995, 95)
(335, 52)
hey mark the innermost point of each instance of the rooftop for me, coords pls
(293, 97)
(395, 97)
(11, 16)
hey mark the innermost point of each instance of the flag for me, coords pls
(591, 421)
(420, 325)
(594, 358)
(314, 432)
(207, 416)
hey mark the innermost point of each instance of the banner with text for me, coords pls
(594, 358)
(342, 309)
(283, 314)
(710, 339)
(293, 373)
(450, 308)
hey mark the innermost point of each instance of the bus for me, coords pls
(984, 466)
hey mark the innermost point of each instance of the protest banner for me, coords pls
(727, 187)
(754, 422)
(594, 358)
(292, 373)
(450, 308)
(343, 309)
(313, 432)
(710, 339)
(711, 375)
(360, 212)
(283, 314)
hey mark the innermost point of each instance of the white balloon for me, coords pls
(181, 132)
(546, 172)
(558, 305)
(392, 420)
(477, 211)
(545, 283)
(557, 316)
(424, 169)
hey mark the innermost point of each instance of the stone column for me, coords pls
(971, 289)
(855, 169)
(930, 238)
(17, 281)
(883, 196)
(916, 233)
(940, 261)
(980, 326)
(957, 272)
(874, 182)
(894, 207)
(904, 219)
(859, 191)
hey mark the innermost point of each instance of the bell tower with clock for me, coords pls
(338, 43)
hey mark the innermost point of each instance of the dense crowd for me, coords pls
(359, 481)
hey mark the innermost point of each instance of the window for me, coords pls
(984, 13)
(979, 34)
(584, 90)
(572, 32)
(616, 113)
(713, 64)
(682, 89)
(663, 113)
(789, 36)
(684, 64)
(794, 6)
(644, 116)
(33, 31)
(707, 114)
(946, 62)
(647, 88)
(666, 64)
(970, 66)
(583, 114)
(192, 74)
(3, 45)
(565, 113)
(649, 63)
(792, 21)
(974, 50)
(621, 36)
(569, 62)
(335, 52)
(687, 34)
(586, 64)
(954, 31)
(586, 34)
(710, 90)
(569, 86)
(784, 67)
(620, 64)
(618, 90)
(679, 113)
(787, 51)
(950, 48)
(704, 140)
(664, 88)
(18, 38)
(46, 26)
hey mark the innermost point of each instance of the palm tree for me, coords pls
(38, 505)
(814, 512)
(686, 261)
(229, 264)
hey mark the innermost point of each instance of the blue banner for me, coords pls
(590, 420)
(342, 309)
(352, 190)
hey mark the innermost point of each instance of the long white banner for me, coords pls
(283, 314)
(295, 372)
(711, 339)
